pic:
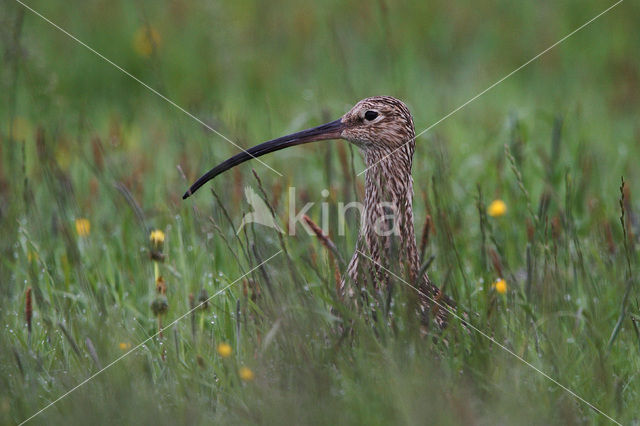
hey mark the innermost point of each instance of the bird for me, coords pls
(383, 130)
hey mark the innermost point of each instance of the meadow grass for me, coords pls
(91, 163)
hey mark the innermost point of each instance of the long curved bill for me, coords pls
(330, 130)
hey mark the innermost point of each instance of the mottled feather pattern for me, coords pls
(388, 145)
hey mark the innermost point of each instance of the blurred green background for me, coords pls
(82, 140)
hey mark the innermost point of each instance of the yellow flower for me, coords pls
(83, 227)
(124, 346)
(224, 349)
(157, 237)
(146, 40)
(497, 208)
(501, 286)
(157, 244)
(246, 374)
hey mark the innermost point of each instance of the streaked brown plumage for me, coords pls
(382, 127)
(388, 144)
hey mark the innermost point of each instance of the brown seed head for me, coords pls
(160, 305)
(203, 299)
(161, 286)
(28, 310)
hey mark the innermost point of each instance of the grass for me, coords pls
(80, 140)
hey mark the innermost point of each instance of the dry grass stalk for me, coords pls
(324, 239)
(97, 150)
(628, 210)
(192, 309)
(93, 353)
(70, 339)
(624, 220)
(28, 310)
(611, 245)
(334, 254)
(497, 263)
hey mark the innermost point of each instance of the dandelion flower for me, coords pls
(157, 236)
(124, 346)
(224, 349)
(497, 208)
(83, 227)
(157, 244)
(146, 40)
(501, 286)
(246, 374)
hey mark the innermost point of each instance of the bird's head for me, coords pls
(379, 124)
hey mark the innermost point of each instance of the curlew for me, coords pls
(382, 128)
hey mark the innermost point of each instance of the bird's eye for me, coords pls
(370, 115)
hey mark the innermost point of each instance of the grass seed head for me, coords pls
(203, 299)
(200, 361)
(160, 305)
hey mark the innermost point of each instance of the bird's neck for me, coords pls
(387, 232)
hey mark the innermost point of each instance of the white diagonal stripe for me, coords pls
(496, 83)
(151, 89)
(500, 345)
(88, 379)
